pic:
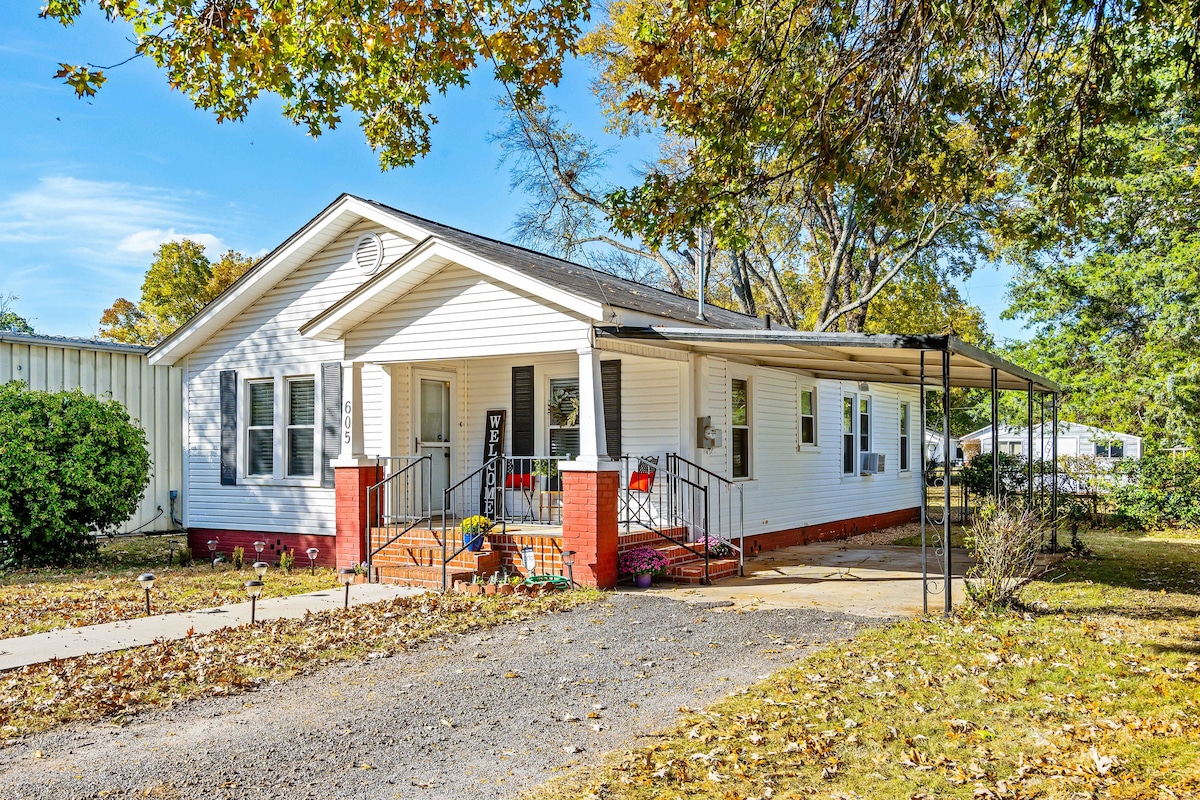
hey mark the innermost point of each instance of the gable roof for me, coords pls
(591, 285)
(586, 282)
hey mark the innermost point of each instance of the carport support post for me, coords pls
(946, 458)
(995, 435)
(1029, 438)
(1054, 473)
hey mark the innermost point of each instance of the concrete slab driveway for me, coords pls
(880, 580)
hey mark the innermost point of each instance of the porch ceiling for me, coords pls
(883, 358)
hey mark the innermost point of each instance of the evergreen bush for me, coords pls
(71, 466)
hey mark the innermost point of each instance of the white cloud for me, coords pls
(146, 242)
(69, 247)
(101, 225)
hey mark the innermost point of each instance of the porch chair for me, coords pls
(638, 492)
(520, 482)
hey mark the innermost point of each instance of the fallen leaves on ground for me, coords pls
(238, 659)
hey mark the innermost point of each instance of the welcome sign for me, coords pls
(493, 446)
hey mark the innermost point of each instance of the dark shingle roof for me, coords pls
(71, 341)
(593, 284)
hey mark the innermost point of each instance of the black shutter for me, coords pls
(331, 413)
(228, 427)
(610, 386)
(523, 412)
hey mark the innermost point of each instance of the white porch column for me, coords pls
(592, 442)
(352, 423)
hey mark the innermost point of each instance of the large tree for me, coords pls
(1111, 285)
(179, 283)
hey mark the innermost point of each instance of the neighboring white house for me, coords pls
(1074, 439)
(121, 372)
(933, 447)
(372, 332)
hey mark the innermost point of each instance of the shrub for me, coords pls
(977, 475)
(1004, 541)
(239, 557)
(287, 560)
(71, 466)
(185, 556)
(642, 561)
(1160, 489)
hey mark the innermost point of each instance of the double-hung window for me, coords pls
(563, 410)
(904, 436)
(849, 440)
(260, 429)
(856, 432)
(301, 427)
(808, 416)
(740, 427)
(281, 427)
(1110, 450)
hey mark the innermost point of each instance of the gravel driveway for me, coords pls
(482, 715)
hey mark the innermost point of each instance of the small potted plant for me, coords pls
(476, 585)
(360, 571)
(715, 547)
(473, 530)
(504, 585)
(643, 563)
(492, 586)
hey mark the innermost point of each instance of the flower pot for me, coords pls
(460, 587)
(475, 588)
(360, 579)
(473, 541)
(505, 588)
(643, 581)
(489, 589)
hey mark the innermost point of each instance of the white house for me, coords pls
(121, 372)
(1074, 439)
(374, 333)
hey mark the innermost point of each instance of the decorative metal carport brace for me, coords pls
(884, 358)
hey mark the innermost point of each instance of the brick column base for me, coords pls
(350, 490)
(589, 515)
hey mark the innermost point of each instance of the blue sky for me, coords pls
(89, 189)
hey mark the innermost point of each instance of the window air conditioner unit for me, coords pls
(872, 463)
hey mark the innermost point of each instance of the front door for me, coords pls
(434, 423)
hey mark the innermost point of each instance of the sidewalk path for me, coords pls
(71, 642)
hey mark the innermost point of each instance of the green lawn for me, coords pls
(1094, 691)
(33, 601)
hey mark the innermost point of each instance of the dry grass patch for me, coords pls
(35, 601)
(1095, 694)
(239, 659)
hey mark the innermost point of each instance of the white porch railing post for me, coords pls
(592, 441)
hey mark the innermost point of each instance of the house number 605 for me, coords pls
(347, 423)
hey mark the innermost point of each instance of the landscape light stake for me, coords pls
(212, 553)
(258, 548)
(260, 569)
(568, 559)
(254, 589)
(312, 560)
(146, 579)
(171, 552)
(346, 576)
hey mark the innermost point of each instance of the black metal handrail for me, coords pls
(488, 482)
(728, 524)
(684, 504)
(397, 498)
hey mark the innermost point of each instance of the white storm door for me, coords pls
(434, 424)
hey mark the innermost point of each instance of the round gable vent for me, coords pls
(368, 253)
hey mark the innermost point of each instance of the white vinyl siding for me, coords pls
(458, 313)
(265, 340)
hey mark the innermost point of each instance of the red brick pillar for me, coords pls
(350, 489)
(589, 515)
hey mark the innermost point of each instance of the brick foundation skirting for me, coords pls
(276, 542)
(829, 531)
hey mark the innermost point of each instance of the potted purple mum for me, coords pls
(643, 563)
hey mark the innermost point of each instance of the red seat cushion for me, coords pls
(641, 481)
(519, 480)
